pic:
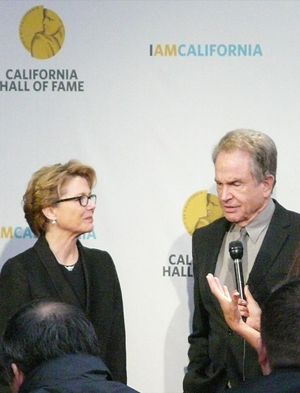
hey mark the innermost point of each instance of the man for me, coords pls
(52, 347)
(245, 174)
(279, 347)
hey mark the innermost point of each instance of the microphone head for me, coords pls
(236, 249)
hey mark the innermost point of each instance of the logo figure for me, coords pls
(42, 32)
(200, 210)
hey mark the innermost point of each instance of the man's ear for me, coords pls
(269, 183)
(18, 378)
(263, 359)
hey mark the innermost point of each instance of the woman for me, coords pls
(59, 207)
(235, 308)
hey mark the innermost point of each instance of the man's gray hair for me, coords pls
(260, 146)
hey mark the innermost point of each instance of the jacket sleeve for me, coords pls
(116, 349)
(202, 376)
(14, 292)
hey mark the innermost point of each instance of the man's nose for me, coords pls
(225, 193)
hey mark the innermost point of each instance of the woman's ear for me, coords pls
(49, 213)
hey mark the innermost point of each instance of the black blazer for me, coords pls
(35, 274)
(216, 354)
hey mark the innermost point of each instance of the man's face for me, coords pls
(241, 196)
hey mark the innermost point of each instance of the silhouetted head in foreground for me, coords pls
(41, 331)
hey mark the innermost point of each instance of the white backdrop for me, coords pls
(147, 124)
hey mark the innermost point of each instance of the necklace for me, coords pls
(69, 267)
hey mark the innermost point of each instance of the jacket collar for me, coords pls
(48, 260)
(64, 369)
(274, 240)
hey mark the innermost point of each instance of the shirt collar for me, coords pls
(259, 224)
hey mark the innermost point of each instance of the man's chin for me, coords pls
(232, 217)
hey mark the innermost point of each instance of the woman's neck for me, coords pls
(63, 247)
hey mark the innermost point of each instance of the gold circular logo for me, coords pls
(200, 210)
(42, 32)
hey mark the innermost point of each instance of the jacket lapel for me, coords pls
(83, 259)
(215, 241)
(274, 240)
(48, 260)
(207, 250)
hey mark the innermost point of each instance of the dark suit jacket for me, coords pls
(35, 274)
(286, 380)
(217, 355)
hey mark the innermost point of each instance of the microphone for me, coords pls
(236, 252)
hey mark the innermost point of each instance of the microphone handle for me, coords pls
(239, 278)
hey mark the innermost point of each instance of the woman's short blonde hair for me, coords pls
(44, 189)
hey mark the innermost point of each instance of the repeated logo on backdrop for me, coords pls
(186, 50)
(20, 233)
(42, 33)
(201, 209)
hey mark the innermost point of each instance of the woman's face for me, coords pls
(70, 215)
